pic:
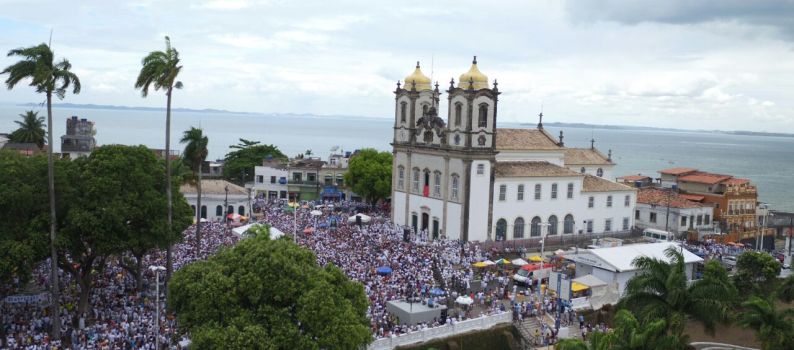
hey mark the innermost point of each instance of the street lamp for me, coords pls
(156, 269)
(543, 232)
(226, 203)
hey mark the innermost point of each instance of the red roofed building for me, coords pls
(734, 200)
(638, 180)
(682, 216)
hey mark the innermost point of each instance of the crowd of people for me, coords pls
(117, 317)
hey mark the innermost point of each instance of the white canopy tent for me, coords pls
(274, 232)
(364, 218)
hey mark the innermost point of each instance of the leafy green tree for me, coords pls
(785, 291)
(632, 334)
(239, 164)
(38, 64)
(595, 341)
(369, 174)
(268, 294)
(31, 129)
(194, 155)
(773, 327)
(160, 70)
(660, 291)
(756, 272)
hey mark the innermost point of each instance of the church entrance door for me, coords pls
(425, 221)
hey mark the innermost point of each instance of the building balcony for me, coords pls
(303, 183)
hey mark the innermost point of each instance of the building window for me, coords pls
(272, 179)
(537, 191)
(627, 201)
(230, 210)
(340, 180)
(297, 177)
(481, 140)
(520, 193)
(553, 225)
(518, 228)
(415, 183)
(458, 112)
(480, 169)
(414, 222)
(203, 211)
(400, 177)
(260, 179)
(311, 177)
(534, 230)
(502, 192)
(482, 120)
(625, 224)
(582, 170)
(609, 201)
(553, 191)
(590, 201)
(455, 180)
(424, 109)
(568, 224)
(653, 218)
(282, 194)
(707, 219)
(608, 225)
(683, 221)
(600, 172)
(241, 210)
(437, 183)
(700, 220)
(403, 111)
(328, 180)
(636, 215)
(219, 210)
(589, 226)
(570, 190)
(501, 229)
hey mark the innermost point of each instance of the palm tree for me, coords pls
(595, 341)
(31, 129)
(194, 155)
(785, 291)
(160, 69)
(49, 78)
(775, 329)
(660, 291)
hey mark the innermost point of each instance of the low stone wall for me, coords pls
(444, 331)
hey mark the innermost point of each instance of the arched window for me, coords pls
(600, 172)
(482, 119)
(501, 229)
(241, 210)
(534, 230)
(481, 140)
(415, 183)
(581, 170)
(403, 111)
(230, 210)
(455, 185)
(437, 183)
(424, 109)
(203, 211)
(219, 210)
(568, 224)
(194, 209)
(553, 225)
(518, 228)
(400, 177)
(458, 112)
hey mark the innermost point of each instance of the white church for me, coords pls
(461, 177)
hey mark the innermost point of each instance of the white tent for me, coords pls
(464, 300)
(364, 218)
(274, 232)
(519, 262)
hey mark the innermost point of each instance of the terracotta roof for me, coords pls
(656, 196)
(677, 171)
(531, 169)
(585, 156)
(213, 187)
(596, 184)
(633, 178)
(735, 181)
(525, 140)
(704, 178)
(692, 197)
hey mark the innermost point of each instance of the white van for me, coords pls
(658, 235)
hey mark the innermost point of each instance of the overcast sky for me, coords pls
(722, 64)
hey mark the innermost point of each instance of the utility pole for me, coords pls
(226, 204)
(157, 270)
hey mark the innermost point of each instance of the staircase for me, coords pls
(527, 331)
(438, 277)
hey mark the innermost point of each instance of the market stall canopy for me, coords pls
(559, 252)
(364, 218)
(590, 281)
(384, 270)
(535, 258)
(502, 261)
(578, 287)
(464, 300)
(479, 264)
(519, 262)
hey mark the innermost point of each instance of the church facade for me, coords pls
(461, 177)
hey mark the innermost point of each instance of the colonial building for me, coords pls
(215, 194)
(734, 200)
(462, 177)
(666, 209)
(303, 178)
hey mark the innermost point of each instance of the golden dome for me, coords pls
(417, 77)
(474, 76)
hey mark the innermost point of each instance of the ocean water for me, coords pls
(767, 161)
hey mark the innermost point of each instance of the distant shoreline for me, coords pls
(630, 127)
(552, 124)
